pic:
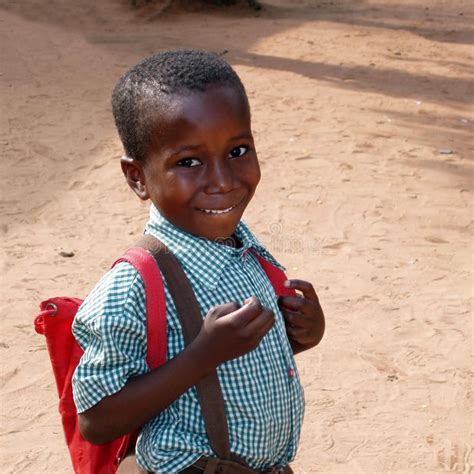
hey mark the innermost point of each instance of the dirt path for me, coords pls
(363, 120)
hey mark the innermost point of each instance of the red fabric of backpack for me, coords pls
(54, 322)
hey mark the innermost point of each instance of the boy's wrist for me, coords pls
(200, 357)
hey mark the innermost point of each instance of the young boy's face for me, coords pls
(202, 168)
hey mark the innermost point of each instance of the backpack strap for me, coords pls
(275, 275)
(155, 300)
(144, 257)
(208, 389)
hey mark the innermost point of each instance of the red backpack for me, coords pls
(54, 322)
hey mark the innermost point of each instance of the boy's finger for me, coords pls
(297, 334)
(294, 303)
(251, 299)
(262, 324)
(299, 303)
(223, 309)
(249, 311)
(296, 318)
(304, 286)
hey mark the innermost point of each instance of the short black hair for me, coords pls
(143, 89)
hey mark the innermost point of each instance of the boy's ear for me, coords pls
(135, 176)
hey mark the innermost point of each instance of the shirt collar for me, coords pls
(204, 258)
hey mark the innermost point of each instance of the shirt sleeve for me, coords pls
(110, 326)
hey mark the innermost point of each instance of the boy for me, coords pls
(184, 120)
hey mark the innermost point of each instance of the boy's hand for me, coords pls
(230, 331)
(303, 315)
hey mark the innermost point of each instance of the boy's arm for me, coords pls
(229, 330)
(144, 396)
(303, 315)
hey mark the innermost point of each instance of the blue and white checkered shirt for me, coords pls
(263, 396)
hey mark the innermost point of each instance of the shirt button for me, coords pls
(291, 372)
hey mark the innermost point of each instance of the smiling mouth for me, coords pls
(218, 211)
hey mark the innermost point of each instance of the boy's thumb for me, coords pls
(250, 300)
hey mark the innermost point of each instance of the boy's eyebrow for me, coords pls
(179, 150)
(242, 135)
(183, 148)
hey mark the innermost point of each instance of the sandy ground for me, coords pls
(363, 120)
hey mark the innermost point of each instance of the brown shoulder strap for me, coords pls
(208, 389)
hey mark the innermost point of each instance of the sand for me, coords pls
(362, 112)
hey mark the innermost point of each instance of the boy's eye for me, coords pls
(238, 151)
(189, 162)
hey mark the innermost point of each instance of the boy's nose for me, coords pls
(219, 178)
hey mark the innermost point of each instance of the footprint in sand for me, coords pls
(380, 364)
(342, 245)
(336, 245)
(436, 240)
(298, 196)
(76, 185)
(452, 457)
(41, 149)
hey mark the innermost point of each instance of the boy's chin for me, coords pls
(215, 227)
(210, 228)
(222, 236)
(218, 233)
(218, 228)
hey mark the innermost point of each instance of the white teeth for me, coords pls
(216, 211)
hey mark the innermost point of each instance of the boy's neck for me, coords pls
(232, 241)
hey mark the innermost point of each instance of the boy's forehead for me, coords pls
(217, 104)
(212, 100)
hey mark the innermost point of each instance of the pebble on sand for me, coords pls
(66, 254)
